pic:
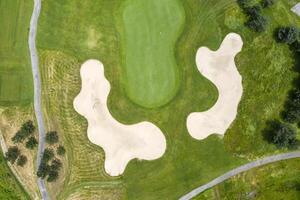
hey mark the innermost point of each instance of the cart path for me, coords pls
(37, 91)
(243, 168)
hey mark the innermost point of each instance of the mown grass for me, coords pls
(65, 41)
(16, 87)
(149, 31)
(274, 181)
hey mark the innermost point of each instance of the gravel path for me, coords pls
(37, 91)
(238, 170)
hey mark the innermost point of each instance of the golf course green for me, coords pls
(150, 31)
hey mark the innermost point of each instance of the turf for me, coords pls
(148, 33)
(16, 78)
(71, 31)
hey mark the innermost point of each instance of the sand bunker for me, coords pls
(219, 67)
(120, 142)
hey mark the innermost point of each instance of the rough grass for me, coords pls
(275, 181)
(72, 31)
(16, 86)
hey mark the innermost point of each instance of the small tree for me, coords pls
(52, 176)
(258, 23)
(282, 135)
(19, 137)
(43, 170)
(267, 3)
(31, 143)
(61, 150)
(48, 155)
(287, 35)
(22, 160)
(52, 137)
(28, 127)
(12, 154)
(56, 164)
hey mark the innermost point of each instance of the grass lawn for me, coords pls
(73, 31)
(16, 86)
(275, 181)
(149, 31)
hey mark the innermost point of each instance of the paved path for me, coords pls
(37, 90)
(238, 170)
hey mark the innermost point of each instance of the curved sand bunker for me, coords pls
(120, 142)
(219, 67)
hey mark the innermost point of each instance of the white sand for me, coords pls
(219, 67)
(121, 143)
(296, 9)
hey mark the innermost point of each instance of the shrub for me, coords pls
(47, 155)
(267, 3)
(60, 150)
(22, 160)
(31, 143)
(56, 164)
(52, 137)
(52, 176)
(258, 23)
(26, 130)
(287, 35)
(281, 134)
(12, 154)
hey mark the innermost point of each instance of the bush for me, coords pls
(12, 154)
(56, 164)
(60, 150)
(52, 137)
(26, 130)
(22, 160)
(287, 35)
(43, 170)
(31, 143)
(258, 23)
(281, 134)
(267, 3)
(47, 155)
(52, 176)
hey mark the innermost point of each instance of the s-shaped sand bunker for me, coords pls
(219, 67)
(121, 143)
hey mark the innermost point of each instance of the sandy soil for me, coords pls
(219, 67)
(121, 143)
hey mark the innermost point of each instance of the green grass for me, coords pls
(71, 31)
(148, 33)
(275, 181)
(10, 188)
(16, 86)
(15, 77)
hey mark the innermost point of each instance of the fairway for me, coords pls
(151, 29)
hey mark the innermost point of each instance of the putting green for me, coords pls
(150, 31)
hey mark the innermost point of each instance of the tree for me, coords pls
(22, 160)
(31, 143)
(60, 150)
(291, 114)
(282, 135)
(25, 131)
(28, 127)
(253, 11)
(52, 176)
(52, 137)
(47, 155)
(258, 23)
(287, 35)
(244, 3)
(12, 154)
(267, 3)
(43, 170)
(56, 164)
